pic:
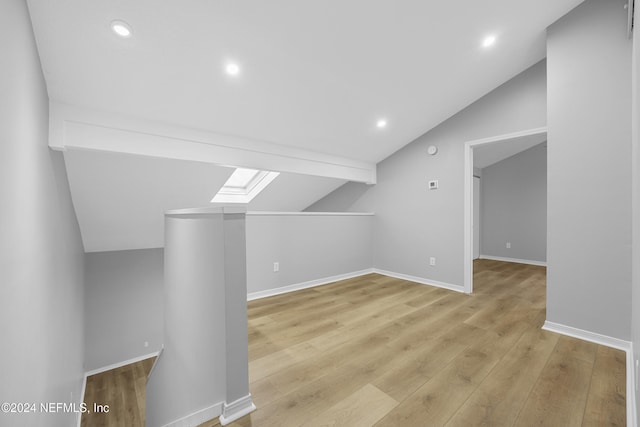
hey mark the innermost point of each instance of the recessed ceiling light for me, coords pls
(121, 28)
(382, 123)
(489, 41)
(232, 69)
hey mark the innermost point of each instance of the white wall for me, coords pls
(514, 206)
(413, 223)
(350, 197)
(589, 170)
(635, 309)
(307, 247)
(41, 254)
(123, 305)
(190, 373)
(203, 369)
(124, 289)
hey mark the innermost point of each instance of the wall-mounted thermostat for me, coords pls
(433, 185)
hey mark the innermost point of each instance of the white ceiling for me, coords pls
(488, 154)
(315, 77)
(120, 199)
(315, 74)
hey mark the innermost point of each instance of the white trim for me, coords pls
(422, 281)
(82, 392)
(268, 213)
(208, 210)
(587, 336)
(198, 417)
(304, 285)
(236, 409)
(519, 261)
(155, 363)
(84, 128)
(632, 412)
(121, 364)
(468, 194)
(626, 346)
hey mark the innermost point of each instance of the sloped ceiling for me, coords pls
(315, 77)
(120, 199)
(488, 154)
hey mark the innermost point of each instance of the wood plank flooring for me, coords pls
(379, 351)
(123, 391)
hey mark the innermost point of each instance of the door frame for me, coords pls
(468, 195)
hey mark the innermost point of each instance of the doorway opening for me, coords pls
(503, 145)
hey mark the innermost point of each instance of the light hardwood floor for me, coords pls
(386, 352)
(123, 391)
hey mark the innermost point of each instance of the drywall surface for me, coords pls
(41, 254)
(123, 305)
(413, 223)
(589, 171)
(350, 197)
(635, 125)
(514, 206)
(190, 374)
(306, 247)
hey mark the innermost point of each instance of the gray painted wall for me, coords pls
(123, 303)
(307, 247)
(41, 254)
(204, 361)
(635, 309)
(190, 373)
(589, 171)
(413, 223)
(514, 206)
(350, 197)
(124, 289)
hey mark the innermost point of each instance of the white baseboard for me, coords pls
(82, 391)
(198, 417)
(236, 409)
(304, 285)
(420, 280)
(519, 261)
(608, 341)
(587, 336)
(121, 364)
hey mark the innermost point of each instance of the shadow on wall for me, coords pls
(351, 197)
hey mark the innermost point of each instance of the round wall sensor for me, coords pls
(432, 149)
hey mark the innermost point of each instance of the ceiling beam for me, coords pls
(83, 128)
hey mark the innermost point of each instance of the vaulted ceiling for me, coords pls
(315, 77)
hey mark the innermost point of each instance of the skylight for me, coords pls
(243, 185)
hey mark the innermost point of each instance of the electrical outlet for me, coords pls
(432, 260)
(276, 266)
(146, 343)
(508, 245)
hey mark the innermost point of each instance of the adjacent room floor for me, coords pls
(380, 351)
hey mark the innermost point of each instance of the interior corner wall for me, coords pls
(123, 305)
(589, 170)
(413, 223)
(41, 253)
(514, 206)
